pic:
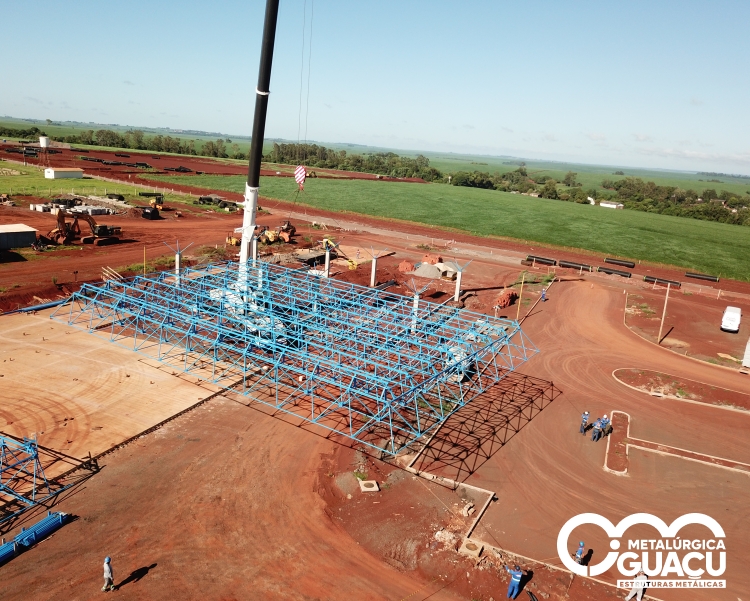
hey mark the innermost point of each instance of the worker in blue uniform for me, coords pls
(596, 434)
(584, 422)
(515, 581)
(579, 553)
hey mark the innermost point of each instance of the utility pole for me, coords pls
(663, 314)
(259, 126)
(520, 296)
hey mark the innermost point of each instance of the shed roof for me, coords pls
(64, 169)
(15, 227)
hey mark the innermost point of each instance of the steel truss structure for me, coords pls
(22, 481)
(377, 367)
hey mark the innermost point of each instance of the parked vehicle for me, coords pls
(730, 322)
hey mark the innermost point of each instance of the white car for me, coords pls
(730, 322)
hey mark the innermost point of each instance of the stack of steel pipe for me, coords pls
(41, 529)
(7, 551)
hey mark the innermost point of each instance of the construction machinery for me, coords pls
(268, 236)
(233, 240)
(67, 231)
(286, 231)
(157, 203)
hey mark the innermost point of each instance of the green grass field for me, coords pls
(704, 246)
(31, 181)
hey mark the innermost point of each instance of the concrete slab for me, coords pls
(369, 486)
(470, 547)
(78, 393)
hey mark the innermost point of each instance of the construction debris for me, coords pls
(406, 266)
(507, 298)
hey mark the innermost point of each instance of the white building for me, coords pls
(611, 205)
(63, 173)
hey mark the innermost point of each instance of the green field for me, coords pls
(30, 181)
(704, 246)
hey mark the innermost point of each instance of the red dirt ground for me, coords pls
(692, 325)
(72, 158)
(650, 381)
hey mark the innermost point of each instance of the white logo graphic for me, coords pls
(697, 552)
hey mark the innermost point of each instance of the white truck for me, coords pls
(730, 322)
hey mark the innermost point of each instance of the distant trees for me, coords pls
(570, 179)
(11, 132)
(641, 195)
(549, 190)
(383, 163)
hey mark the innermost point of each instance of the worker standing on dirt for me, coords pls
(579, 553)
(640, 585)
(109, 577)
(515, 581)
(584, 422)
(605, 424)
(544, 295)
(597, 432)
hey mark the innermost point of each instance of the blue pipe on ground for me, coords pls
(7, 551)
(41, 529)
(39, 307)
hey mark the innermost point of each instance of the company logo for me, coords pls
(679, 563)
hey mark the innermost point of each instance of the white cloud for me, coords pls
(643, 138)
(596, 137)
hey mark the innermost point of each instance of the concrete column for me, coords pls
(248, 222)
(372, 272)
(414, 314)
(458, 287)
(177, 267)
(328, 263)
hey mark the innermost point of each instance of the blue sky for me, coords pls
(652, 84)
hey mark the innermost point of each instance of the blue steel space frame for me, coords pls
(22, 480)
(371, 365)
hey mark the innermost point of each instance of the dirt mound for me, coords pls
(506, 298)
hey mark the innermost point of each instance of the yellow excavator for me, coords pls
(66, 231)
(157, 203)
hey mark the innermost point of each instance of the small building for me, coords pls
(16, 235)
(63, 173)
(611, 205)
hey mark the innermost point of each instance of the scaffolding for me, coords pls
(377, 367)
(23, 484)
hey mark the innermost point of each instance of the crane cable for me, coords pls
(300, 158)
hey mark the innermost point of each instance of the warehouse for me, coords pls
(63, 173)
(16, 235)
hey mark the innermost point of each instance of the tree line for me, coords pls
(137, 140)
(32, 132)
(381, 163)
(709, 205)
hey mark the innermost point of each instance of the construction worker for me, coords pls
(606, 426)
(640, 585)
(579, 553)
(109, 577)
(544, 295)
(515, 581)
(596, 434)
(584, 422)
